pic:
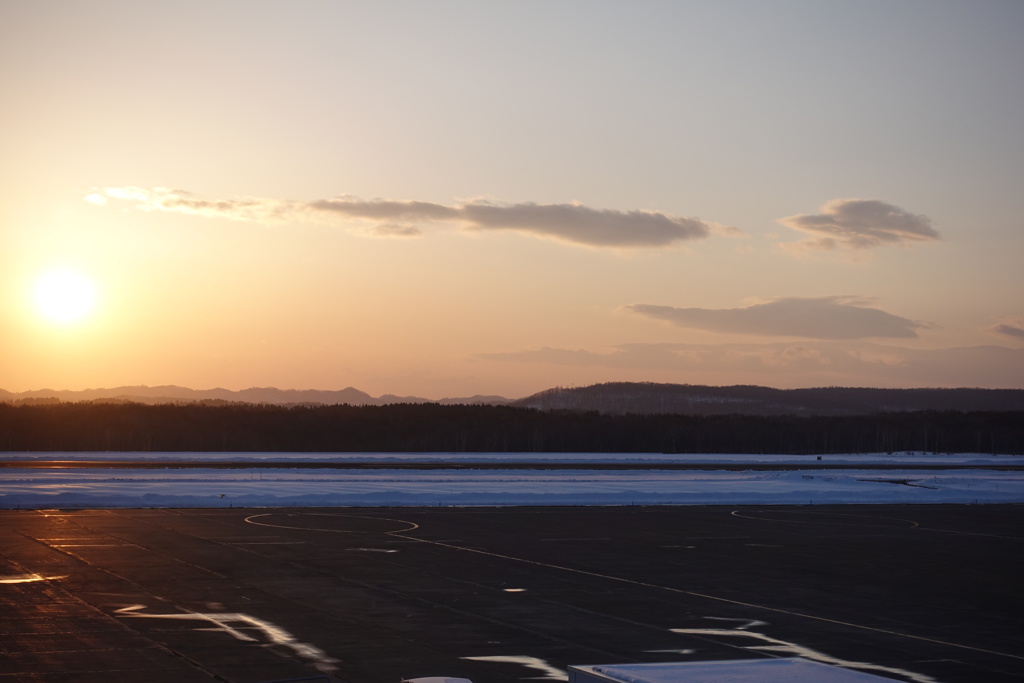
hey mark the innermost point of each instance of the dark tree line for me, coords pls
(483, 428)
(650, 397)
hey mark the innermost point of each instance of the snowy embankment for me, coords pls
(639, 459)
(253, 486)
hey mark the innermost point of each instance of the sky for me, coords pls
(455, 198)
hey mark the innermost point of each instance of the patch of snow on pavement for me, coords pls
(287, 487)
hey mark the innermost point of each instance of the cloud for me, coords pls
(571, 223)
(381, 209)
(830, 317)
(806, 364)
(861, 224)
(1009, 331)
(181, 201)
(395, 230)
(685, 357)
(1010, 327)
(582, 225)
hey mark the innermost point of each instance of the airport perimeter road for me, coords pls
(913, 593)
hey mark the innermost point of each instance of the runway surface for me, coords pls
(914, 593)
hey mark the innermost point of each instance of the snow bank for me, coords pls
(866, 459)
(288, 487)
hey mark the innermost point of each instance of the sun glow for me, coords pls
(64, 297)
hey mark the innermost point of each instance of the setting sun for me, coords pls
(64, 297)
(612, 205)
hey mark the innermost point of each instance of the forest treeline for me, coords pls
(485, 428)
(650, 397)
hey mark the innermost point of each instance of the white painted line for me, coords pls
(266, 543)
(250, 520)
(766, 518)
(222, 621)
(716, 598)
(551, 673)
(775, 646)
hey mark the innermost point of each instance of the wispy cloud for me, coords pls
(830, 317)
(713, 357)
(860, 224)
(571, 223)
(1010, 327)
(793, 365)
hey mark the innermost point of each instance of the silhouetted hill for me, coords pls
(645, 398)
(256, 395)
(614, 398)
(176, 394)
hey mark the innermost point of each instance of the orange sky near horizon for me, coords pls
(460, 199)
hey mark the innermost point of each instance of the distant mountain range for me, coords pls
(609, 398)
(265, 395)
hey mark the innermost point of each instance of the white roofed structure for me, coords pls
(783, 670)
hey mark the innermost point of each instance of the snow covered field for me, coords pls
(915, 458)
(255, 486)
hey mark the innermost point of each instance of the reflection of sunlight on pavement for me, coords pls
(223, 621)
(28, 578)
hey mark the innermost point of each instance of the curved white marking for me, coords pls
(412, 526)
(551, 673)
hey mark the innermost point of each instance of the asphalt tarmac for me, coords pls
(371, 595)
